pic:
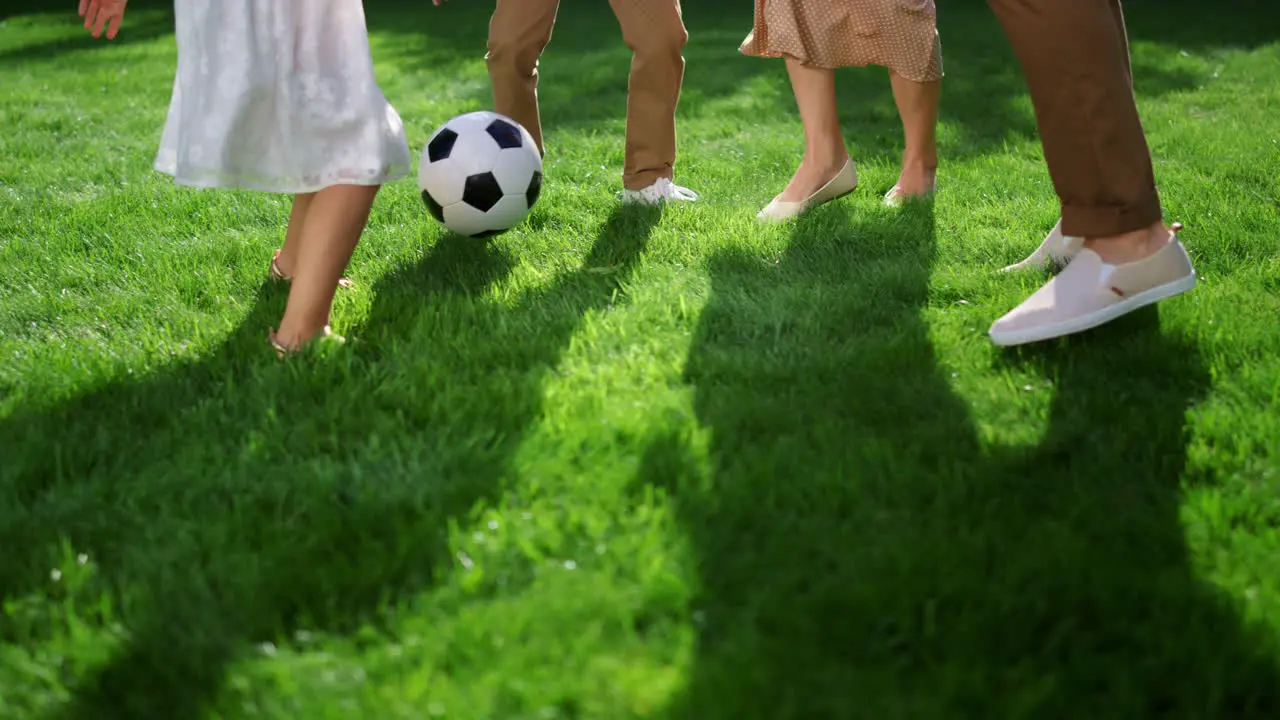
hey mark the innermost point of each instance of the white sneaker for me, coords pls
(661, 190)
(1054, 253)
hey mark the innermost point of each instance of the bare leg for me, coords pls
(333, 225)
(824, 150)
(918, 107)
(287, 257)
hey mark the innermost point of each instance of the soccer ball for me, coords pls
(480, 174)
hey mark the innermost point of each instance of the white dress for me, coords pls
(279, 96)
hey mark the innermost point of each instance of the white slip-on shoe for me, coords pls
(1090, 292)
(844, 182)
(1054, 253)
(660, 191)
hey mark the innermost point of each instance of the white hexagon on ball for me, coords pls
(480, 174)
(510, 210)
(466, 220)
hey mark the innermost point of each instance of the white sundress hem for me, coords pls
(225, 182)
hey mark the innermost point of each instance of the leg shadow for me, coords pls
(1094, 606)
(81, 478)
(327, 523)
(366, 461)
(861, 555)
(81, 452)
(834, 432)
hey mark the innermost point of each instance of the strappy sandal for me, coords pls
(278, 274)
(326, 335)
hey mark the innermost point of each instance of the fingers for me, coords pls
(99, 22)
(102, 14)
(92, 9)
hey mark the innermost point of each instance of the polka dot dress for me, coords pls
(901, 35)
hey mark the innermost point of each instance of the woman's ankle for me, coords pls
(831, 159)
(917, 180)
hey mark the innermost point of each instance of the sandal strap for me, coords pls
(281, 350)
(276, 273)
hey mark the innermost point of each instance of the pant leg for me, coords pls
(1074, 56)
(1118, 13)
(654, 31)
(519, 30)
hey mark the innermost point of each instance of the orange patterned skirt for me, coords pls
(901, 35)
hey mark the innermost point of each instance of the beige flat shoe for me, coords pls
(1054, 253)
(1090, 292)
(845, 182)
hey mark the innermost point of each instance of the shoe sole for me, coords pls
(1100, 317)
(641, 201)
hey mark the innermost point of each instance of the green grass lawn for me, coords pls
(637, 464)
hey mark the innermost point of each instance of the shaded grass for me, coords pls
(1048, 579)
(620, 465)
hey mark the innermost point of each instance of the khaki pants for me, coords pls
(1075, 56)
(654, 31)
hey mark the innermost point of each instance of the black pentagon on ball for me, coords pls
(441, 145)
(482, 191)
(433, 207)
(505, 134)
(535, 188)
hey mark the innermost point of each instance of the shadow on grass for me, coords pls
(861, 554)
(1193, 26)
(235, 500)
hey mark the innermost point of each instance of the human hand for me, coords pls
(438, 3)
(100, 13)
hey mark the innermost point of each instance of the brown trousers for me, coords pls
(654, 31)
(1075, 57)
